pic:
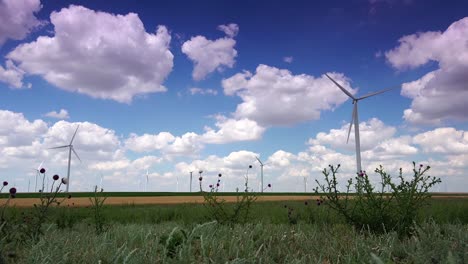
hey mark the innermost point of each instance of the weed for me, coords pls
(97, 203)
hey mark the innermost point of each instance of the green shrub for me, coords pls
(371, 207)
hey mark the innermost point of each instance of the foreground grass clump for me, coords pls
(250, 243)
(382, 207)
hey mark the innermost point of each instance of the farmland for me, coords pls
(186, 233)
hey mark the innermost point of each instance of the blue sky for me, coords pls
(173, 87)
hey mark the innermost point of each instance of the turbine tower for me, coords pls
(38, 171)
(261, 170)
(70, 149)
(100, 183)
(355, 118)
(147, 179)
(191, 180)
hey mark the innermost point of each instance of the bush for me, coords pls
(371, 207)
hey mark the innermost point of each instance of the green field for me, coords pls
(185, 234)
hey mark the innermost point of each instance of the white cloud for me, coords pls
(231, 130)
(16, 130)
(446, 140)
(210, 55)
(288, 59)
(439, 95)
(62, 114)
(371, 132)
(88, 55)
(17, 18)
(195, 90)
(277, 97)
(231, 29)
(148, 142)
(12, 75)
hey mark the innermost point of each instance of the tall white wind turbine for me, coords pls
(261, 170)
(147, 180)
(70, 149)
(191, 174)
(355, 118)
(38, 171)
(100, 182)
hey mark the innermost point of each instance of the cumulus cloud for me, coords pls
(17, 18)
(230, 30)
(228, 130)
(16, 130)
(371, 132)
(12, 75)
(446, 140)
(275, 96)
(231, 130)
(195, 90)
(99, 54)
(439, 95)
(288, 59)
(210, 55)
(62, 114)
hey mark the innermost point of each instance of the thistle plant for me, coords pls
(219, 210)
(371, 207)
(97, 202)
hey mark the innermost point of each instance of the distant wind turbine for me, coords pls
(147, 180)
(38, 171)
(100, 183)
(261, 169)
(305, 183)
(355, 118)
(191, 180)
(70, 149)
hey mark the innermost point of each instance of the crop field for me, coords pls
(279, 229)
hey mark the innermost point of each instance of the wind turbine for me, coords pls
(100, 183)
(38, 171)
(191, 180)
(305, 184)
(147, 179)
(261, 169)
(355, 118)
(177, 183)
(70, 149)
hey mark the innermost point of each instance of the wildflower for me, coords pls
(42, 170)
(250, 166)
(5, 183)
(269, 185)
(219, 175)
(200, 172)
(211, 185)
(55, 177)
(306, 203)
(69, 196)
(65, 180)
(201, 178)
(420, 165)
(217, 185)
(13, 191)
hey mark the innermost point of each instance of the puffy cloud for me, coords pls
(288, 59)
(99, 54)
(446, 140)
(17, 18)
(231, 29)
(371, 133)
(148, 142)
(392, 148)
(440, 94)
(16, 130)
(210, 55)
(62, 114)
(231, 130)
(277, 97)
(12, 75)
(201, 91)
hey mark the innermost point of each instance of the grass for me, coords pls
(180, 234)
(252, 243)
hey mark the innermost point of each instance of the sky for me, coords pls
(160, 89)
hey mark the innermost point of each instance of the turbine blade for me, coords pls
(379, 92)
(40, 165)
(76, 154)
(74, 134)
(352, 121)
(341, 87)
(259, 160)
(66, 146)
